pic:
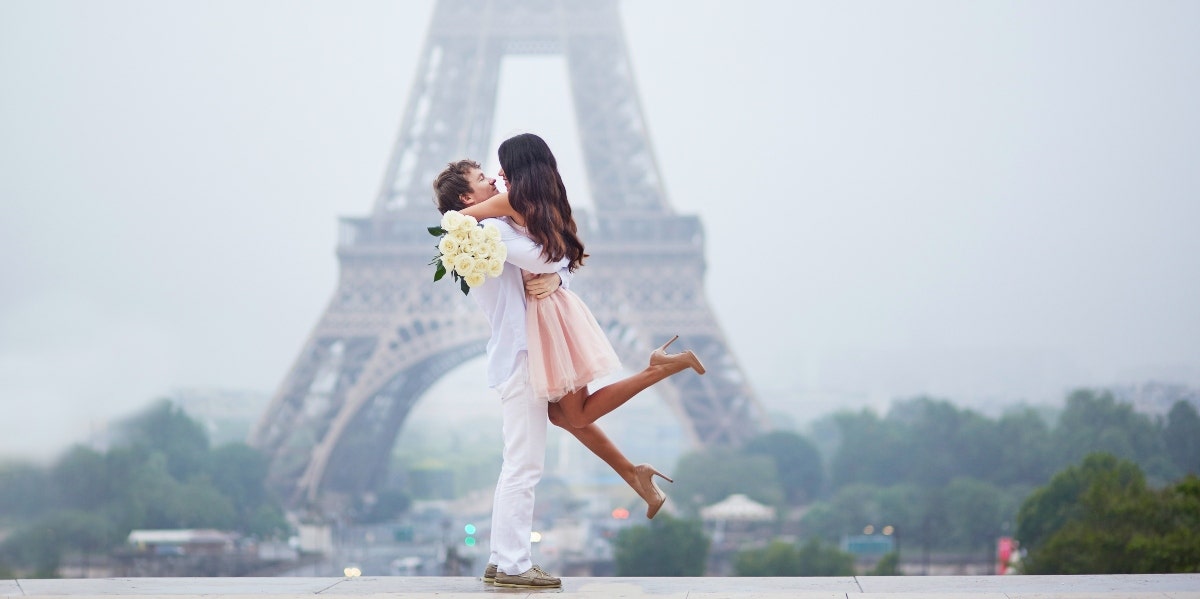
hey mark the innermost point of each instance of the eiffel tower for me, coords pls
(389, 333)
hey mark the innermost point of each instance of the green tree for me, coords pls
(777, 559)
(1101, 518)
(1050, 508)
(888, 565)
(798, 465)
(940, 442)
(868, 451)
(1023, 454)
(706, 477)
(823, 520)
(167, 429)
(25, 491)
(819, 559)
(814, 558)
(973, 514)
(1176, 546)
(1181, 436)
(666, 547)
(238, 471)
(1095, 422)
(41, 545)
(80, 479)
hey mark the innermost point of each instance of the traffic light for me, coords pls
(470, 540)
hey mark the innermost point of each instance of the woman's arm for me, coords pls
(493, 207)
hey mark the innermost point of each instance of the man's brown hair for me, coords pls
(451, 184)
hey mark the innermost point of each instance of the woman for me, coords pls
(567, 348)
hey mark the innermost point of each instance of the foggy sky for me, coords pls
(986, 201)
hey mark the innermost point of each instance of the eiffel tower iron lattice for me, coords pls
(389, 333)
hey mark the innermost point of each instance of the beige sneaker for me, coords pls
(489, 574)
(533, 578)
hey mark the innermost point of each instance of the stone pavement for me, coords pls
(1130, 586)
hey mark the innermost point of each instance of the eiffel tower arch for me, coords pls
(389, 333)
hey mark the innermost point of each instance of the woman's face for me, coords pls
(482, 187)
(505, 178)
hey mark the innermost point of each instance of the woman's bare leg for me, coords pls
(593, 438)
(582, 409)
(596, 441)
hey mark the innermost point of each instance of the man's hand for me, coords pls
(542, 286)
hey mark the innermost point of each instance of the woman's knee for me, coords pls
(557, 418)
(576, 420)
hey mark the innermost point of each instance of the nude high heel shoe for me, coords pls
(643, 476)
(685, 358)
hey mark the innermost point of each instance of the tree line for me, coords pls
(162, 474)
(945, 478)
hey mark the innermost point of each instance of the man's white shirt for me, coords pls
(503, 300)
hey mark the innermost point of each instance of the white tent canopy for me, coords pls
(738, 507)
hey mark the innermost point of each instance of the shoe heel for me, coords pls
(686, 357)
(665, 477)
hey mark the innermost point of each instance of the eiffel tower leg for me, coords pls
(450, 110)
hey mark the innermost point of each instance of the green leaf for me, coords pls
(462, 284)
(441, 270)
(436, 231)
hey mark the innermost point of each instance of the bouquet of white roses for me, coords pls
(469, 251)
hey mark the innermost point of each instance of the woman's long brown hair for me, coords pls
(536, 191)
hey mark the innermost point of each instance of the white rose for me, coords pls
(447, 246)
(479, 237)
(466, 224)
(460, 238)
(500, 251)
(492, 232)
(474, 280)
(452, 220)
(464, 265)
(495, 267)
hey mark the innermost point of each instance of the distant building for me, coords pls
(183, 542)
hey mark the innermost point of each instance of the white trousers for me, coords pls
(524, 426)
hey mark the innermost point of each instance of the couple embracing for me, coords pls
(545, 346)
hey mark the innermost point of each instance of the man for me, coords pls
(524, 417)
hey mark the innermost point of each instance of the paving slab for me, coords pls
(1108, 595)
(1012, 585)
(175, 586)
(935, 594)
(10, 588)
(718, 586)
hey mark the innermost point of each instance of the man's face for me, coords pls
(482, 187)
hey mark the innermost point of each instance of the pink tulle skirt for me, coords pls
(567, 347)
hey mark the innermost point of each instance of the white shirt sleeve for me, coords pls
(525, 254)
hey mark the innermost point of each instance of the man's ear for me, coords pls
(467, 199)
